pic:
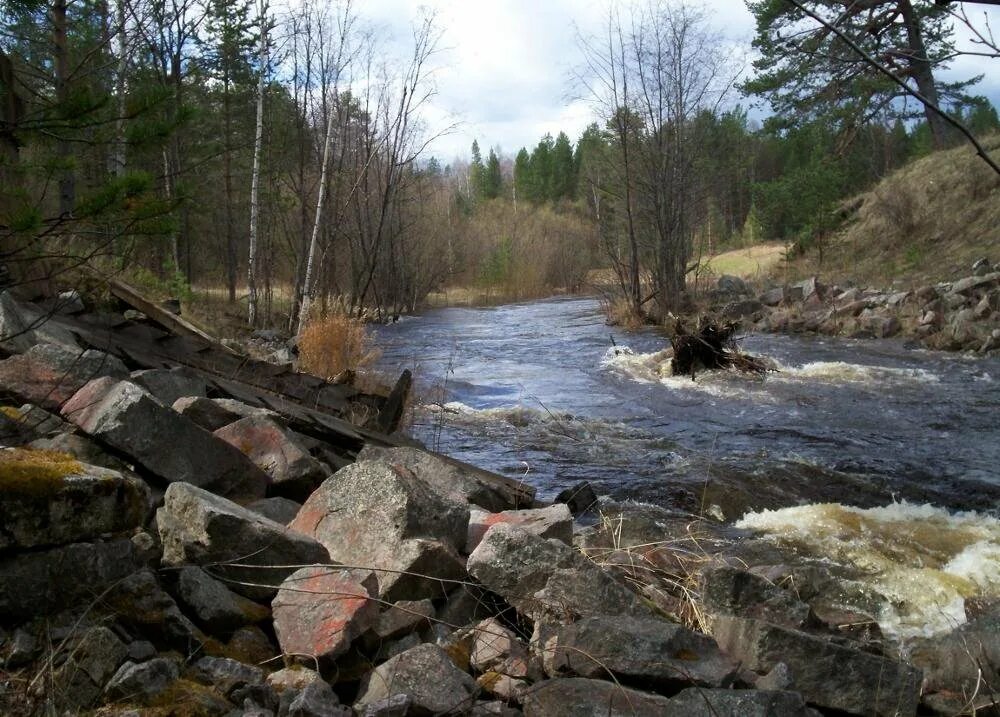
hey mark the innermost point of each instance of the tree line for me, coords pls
(282, 156)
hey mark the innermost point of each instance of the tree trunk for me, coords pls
(255, 179)
(67, 178)
(923, 74)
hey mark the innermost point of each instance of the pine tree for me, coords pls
(492, 180)
(563, 169)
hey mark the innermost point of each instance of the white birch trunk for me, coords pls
(255, 179)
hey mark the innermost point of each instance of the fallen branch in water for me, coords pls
(712, 347)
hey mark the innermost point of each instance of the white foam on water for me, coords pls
(924, 560)
(645, 368)
(843, 372)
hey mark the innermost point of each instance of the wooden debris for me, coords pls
(712, 347)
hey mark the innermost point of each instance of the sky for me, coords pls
(504, 75)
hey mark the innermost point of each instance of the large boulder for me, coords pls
(319, 612)
(91, 660)
(170, 384)
(554, 521)
(127, 418)
(378, 515)
(199, 528)
(727, 590)
(49, 498)
(23, 326)
(645, 651)
(548, 580)
(427, 676)
(42, 582)
(443, 476)
(828, 675)
(580, 697)
(141, 603)
(701, 702)
(294, 473)
(964, 659)
(973, 284)
(47, 375)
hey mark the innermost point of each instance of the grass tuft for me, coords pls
(335, 343)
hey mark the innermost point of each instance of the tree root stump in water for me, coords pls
(712, 347)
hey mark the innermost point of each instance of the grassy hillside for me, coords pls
(926, 222)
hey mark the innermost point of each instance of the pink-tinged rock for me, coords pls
(130, 420)
(293, 471)
(320, 611)
(378, 515)
(47, 375)
(554, 521)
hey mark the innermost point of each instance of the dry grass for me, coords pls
(749, 263)
(927, 222)
(332, 344)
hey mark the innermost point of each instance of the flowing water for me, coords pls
(836, 453)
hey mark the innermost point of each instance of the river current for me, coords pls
(869, 453)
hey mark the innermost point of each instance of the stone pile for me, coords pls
(962, 315)
(154, 559)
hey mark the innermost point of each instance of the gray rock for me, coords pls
(578, 498)
(206, 412)
(91, 662)
(170, 384)
(952, 662)
(280, 510)
(317, 699)
(199, 528)
(772, 297)
(695, 702)
(971, 284)
(378, 515)
(23, 326)
(731, 591)
(141, 650)
(226, 675)
(143, 682)
(554, 521)
(403, 617)
(981, 266)
(130, 420)
(548, 580)
(578, 697)
(828, 675)
(638, 650)
(23, 649)
(493, 644)
(81, 448)
(47, 375)
(46, 581)
(728, 284)
(294, 473)
(140, 603)
(55, 500)
(740, 309)
(319, 612)
(427, 676)
(214, 605)
(395, 706)
(40, 421)
(69, 303)
(443, 477)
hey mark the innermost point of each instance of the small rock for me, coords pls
(427, 676)
(403, 617)
(23, 327)
(981, 266)
(319, 612)
(215, 606)
(92, 660)
(280, 510)
(576, 697)
(225, 674)
(579, 498)
(275, 450)
(317, 699)
(140, 603)
(143, 682)
(546, 579)
(249, 644)
(24, 648)
(169, 385)
(141, 650)
(206, 412)
(646, 650)
(729, 284)
(293, 678)
(555, 521)
(492, 644)
(772, 297)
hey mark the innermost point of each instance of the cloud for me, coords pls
(504, 72)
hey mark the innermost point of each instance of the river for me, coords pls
(846, 452)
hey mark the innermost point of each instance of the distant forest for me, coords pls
(281, 157)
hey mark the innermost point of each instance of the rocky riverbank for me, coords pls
(962, 315)
(167, 552)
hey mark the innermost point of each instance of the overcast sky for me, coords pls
(505, 71)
